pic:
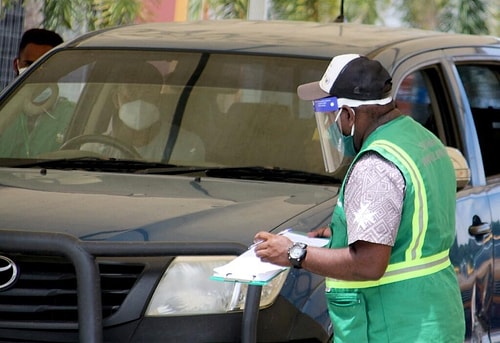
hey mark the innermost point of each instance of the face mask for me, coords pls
(139, 114)
(349, 149)
(344, 144)
(22, 70)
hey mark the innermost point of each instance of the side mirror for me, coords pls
(462, 171)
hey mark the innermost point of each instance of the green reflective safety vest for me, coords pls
(47, 135)
(418, 298)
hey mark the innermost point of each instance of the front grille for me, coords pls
(46, 289)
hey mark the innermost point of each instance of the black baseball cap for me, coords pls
(351, 77)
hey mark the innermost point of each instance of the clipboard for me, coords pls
(248, 268)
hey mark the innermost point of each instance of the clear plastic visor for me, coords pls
(327, 115)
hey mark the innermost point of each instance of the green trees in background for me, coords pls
(86, 15)
(461, 16)
(469, 16)
(222, 9)
(92, 14)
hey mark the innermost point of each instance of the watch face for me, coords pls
(296, 254)
(296, 251)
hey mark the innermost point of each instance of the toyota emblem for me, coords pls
(8, 273)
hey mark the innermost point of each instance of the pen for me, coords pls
(279, 234)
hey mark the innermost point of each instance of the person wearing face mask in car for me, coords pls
(34, 43)
(138, 120)
(140, 124)
(41, 124)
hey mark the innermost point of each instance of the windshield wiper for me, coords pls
(248, 173)
(143, 167)
(271, 174)
(91, 164)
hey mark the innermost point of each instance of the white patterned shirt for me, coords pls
(373, 200)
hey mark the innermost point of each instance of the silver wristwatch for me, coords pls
(297, 253)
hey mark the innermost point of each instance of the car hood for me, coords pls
(122, 207)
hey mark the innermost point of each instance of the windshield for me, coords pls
(177, 108)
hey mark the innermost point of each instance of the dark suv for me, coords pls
(135, 160)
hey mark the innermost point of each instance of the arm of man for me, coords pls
(373, 203)
(360, 261)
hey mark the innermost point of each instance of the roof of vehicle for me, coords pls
(288, 38)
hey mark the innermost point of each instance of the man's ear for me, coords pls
(15, 64)
(349, 113)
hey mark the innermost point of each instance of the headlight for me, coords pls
(186, 289)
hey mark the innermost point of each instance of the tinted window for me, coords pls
(423, 95)
(413, 99)
(207, 109)
(482, 85)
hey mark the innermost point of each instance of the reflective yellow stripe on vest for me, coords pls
(414, 265)
(399, 272)
(420, 216)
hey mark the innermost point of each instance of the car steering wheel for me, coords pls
(127, 150)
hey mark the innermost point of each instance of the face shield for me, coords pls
(332, 140)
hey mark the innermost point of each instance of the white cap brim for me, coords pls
(311, 91)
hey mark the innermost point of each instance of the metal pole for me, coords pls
(251, 314)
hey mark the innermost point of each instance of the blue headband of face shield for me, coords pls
(329, 104)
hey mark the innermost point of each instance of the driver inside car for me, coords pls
(40, 126)
(140, 123)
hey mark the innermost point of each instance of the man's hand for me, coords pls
(273, 248)
(320, 232)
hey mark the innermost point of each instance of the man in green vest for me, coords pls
(388, 273)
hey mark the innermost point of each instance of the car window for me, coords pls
(482, 85)
(183, 108)
(422, 94)
(251, 103)
(413, 99)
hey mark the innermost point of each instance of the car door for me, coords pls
(429, 88)
(481, 83)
